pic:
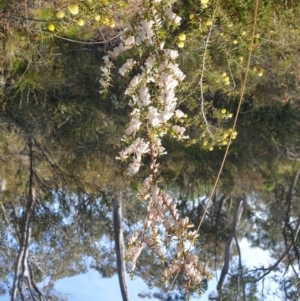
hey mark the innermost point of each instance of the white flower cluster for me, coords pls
(127, 42)
(154, 113)
(127, 67)
(105, 73)
(137, 148)
(160, 75)
(165, 77)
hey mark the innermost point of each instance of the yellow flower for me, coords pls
(208, 22)
(80, 22)
(180, 44)
(204, 3)
(223, 111)
(260, 73)
(51, 27)
(112, 23)
(205, 142)
(73, 9)
(60, 14)
(191, 16)
(243, 33)
(182, 37)
(229, 115)
(211, 148)
(229, 25)
(224, 74)
(235, 41)
(97, 18)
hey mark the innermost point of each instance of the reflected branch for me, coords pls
(237, 217)
(119, 243)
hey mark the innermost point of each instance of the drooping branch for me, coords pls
(240, 274)
(119, 243)
(222, 200)
(22, 270)
(289, 203)
(235, 222)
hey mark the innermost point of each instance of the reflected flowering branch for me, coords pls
(154, 114)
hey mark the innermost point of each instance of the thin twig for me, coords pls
(87, 43)
(202, 74)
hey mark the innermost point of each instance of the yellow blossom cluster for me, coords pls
(225, 79)
(220, 138)
(204, 3)
(74, 13)
(180, 40)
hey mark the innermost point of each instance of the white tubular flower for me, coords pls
(166, 80)
(142, 147)
(123, 155)
(193, 234)
(167, 97)
(129, 42)
(144, 97)
(106, 59)
(134, 124)
(170, 53)
(136, 80)
(145, 32)
(153, 116)
(165, 115)
(176, 72)
(105, 71)
(179, 114)
(172, 17)
(179, 130)
(127, 67)
(150, 61)
(134, 166)
(103, 83)
(158, 149)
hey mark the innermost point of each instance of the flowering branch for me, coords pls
(154, 113)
